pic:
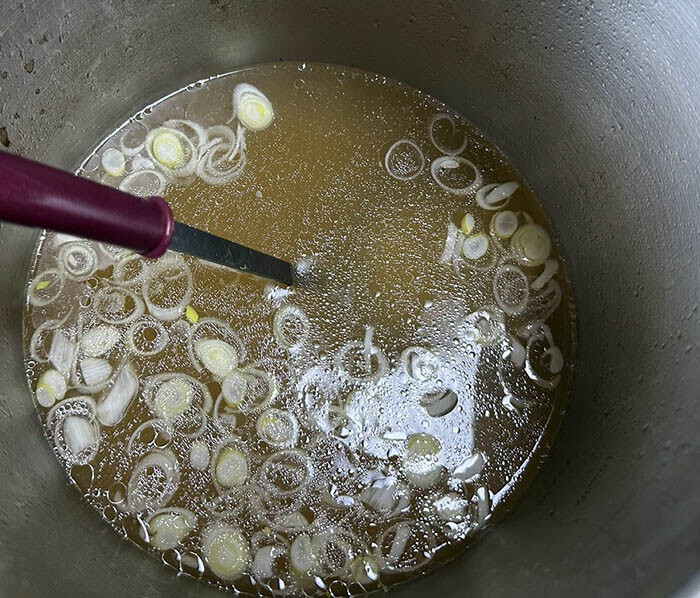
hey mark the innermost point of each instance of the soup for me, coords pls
(348, 432)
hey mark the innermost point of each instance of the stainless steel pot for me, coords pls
(596, 102)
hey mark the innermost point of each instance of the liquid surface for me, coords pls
(353, 431)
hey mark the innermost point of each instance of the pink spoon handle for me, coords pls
(33, 194)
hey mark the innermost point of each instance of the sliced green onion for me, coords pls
(172, 150)
(448, 164)
(231, 467)
(173, 397)
(515, 352)
(475, 246)
(95, 371)
(504, 224)
(251, 107)
(539, 334)
(226, 551)
(531, 244)
(467, 224)
(50, 387)
(233, 388)
(112, 408)
(216, 355)
(99, 340)
(278, 428)
(114, 162)
(125, 274)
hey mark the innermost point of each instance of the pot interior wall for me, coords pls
(596, 103)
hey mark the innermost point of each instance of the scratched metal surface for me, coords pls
(596, 102)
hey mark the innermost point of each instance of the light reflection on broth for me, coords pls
(354, 430)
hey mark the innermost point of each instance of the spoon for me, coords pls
(32, 194)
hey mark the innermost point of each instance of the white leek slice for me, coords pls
(143, 183)
(169, 527)
(504, 224)
(51, 387)
(231, 467)
(302, 557)
(153, 481)
(216, 355)
(531, 244)
(291, 327)
(451, 507)
(483, 503)
(234, 388)
(77, 260)
(404, 160)
(226, 551)
(421, 364)
(199, 455)
(117, 306)
(421, 463)
(251, 107)
(78, 433)
(173, 398)
(549, 270)
(46, 287)
(112, 408)
(495, 196)
(470, 467)
(114, 162)
(365, 570)
(95, 370)
(442, 403)
(278, 428)
(167, 149)
(467, 223)
(62, 352)
(445, 165)
(475, 246)
(99, 340)
(450, 151)
(511, 289)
